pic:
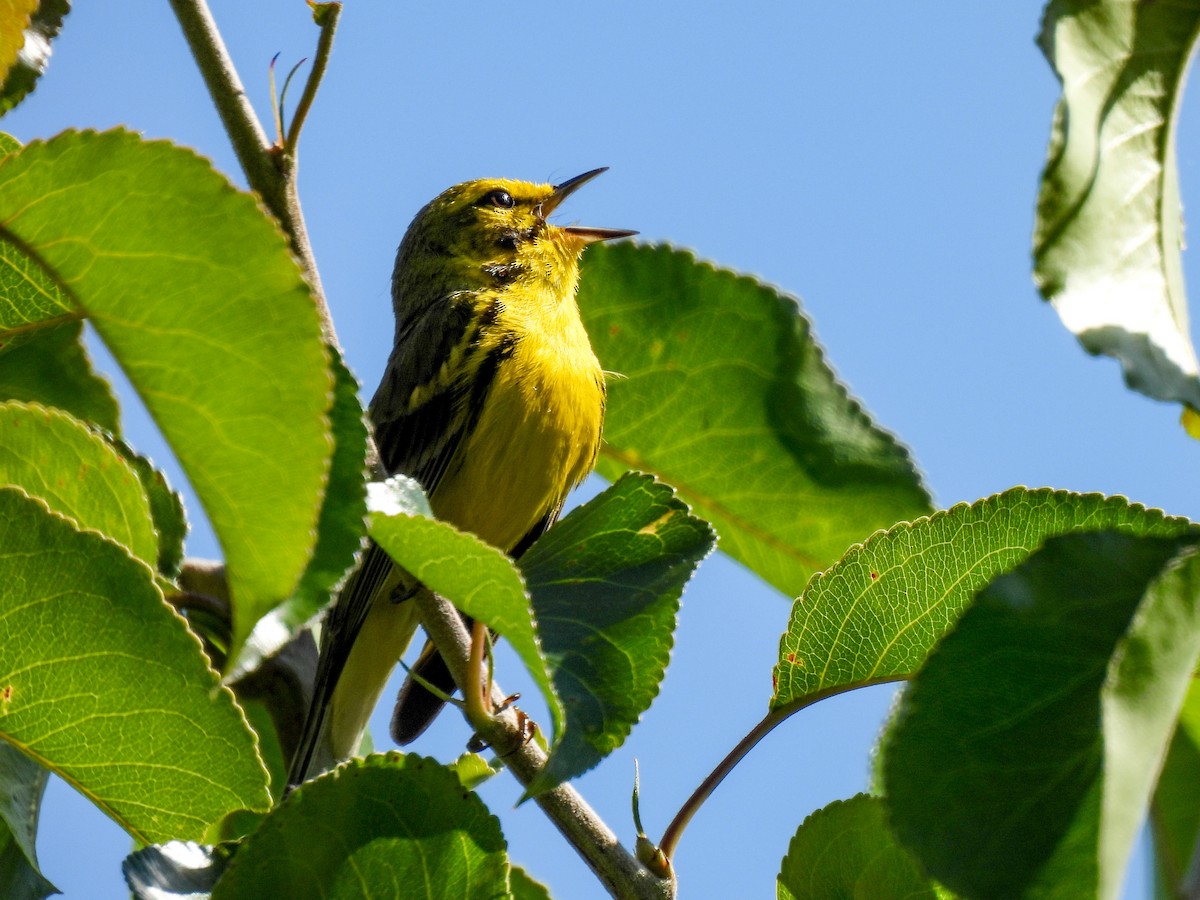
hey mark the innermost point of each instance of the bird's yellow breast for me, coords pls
(539, 430)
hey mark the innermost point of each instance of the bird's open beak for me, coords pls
(582, 232)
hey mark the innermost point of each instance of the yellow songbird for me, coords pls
(492, 399)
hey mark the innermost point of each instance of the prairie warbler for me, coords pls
(492, 399)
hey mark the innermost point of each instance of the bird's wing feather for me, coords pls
(421, 415)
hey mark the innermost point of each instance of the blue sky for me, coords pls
(881, 164)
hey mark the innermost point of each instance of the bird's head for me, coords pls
(499, 227)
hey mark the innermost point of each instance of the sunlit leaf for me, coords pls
(78, 473)
(524, 887)
(103, 684)
(382, 827)
(874, 616)
(1109, 223)
(477, 578)
(195, 292)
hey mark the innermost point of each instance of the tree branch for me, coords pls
(268, 172)
(593, 840)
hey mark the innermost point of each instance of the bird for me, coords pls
(492, 399)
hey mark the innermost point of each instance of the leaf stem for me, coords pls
(326, 16)
(473, 691)
(670, 838)
(622, 875)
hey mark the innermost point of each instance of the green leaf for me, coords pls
(341, 526)
(1027, 747)
(390, 826)
(103, 684)
(473, 770)
(166, 509)
(29, 296)
(605, 583)
(50, 366)
(195, 291)
(78, 473)
(874, 616)
(477, 578)
(22, 783)
(847, 850)
(524, 887)
(1175, 812)
(1109, 222)
(340, 529)
(31, 62)
(721, 390)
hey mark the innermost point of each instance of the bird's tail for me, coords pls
(363, 636)
(417, 707)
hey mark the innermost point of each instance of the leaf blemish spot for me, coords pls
(652, 527)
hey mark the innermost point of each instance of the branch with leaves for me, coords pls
(1049, 639)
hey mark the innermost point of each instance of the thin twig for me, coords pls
(326, 16)
(670, 838)
(593, 840)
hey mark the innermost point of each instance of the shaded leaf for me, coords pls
(22, 783)
(102, 683)
(77, 472)
(1109, 223)
(605, 583)
(1175, 811)
(341, 527)
(195, 291)
(722, 391)
(874, 616)
(846, 850)
(50, 366)
(34, 55)
(166, 509)
(391, 826)
(181, 869)
(1027, 747)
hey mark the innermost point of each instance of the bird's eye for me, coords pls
(499, 199)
